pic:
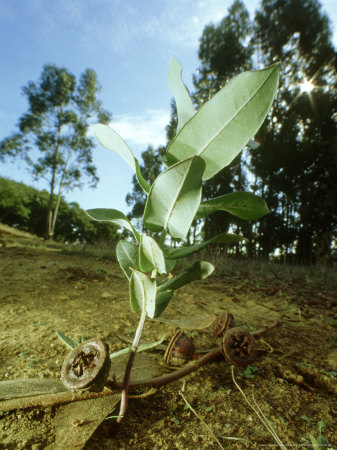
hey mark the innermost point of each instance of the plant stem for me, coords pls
(168, 378)
(127, 373)
(263, 330)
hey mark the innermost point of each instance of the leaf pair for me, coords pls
(143, 289)
(134, 262)
(146, 258)
(146, 296)
(175, 213)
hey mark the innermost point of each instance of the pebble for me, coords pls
(62, 298)
(106, 295)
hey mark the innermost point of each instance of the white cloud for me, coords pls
(182, 22)
(173, 22)
(143, 129)
(120, 23)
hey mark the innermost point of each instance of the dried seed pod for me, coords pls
(86, 366)
(222, 323)
(239, 347)
(179, 350)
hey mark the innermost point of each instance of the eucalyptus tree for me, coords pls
(56, 125)
(296, 164)
(224, 50)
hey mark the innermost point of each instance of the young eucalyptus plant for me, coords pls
(207, 140)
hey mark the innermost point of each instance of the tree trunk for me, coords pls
(48, 233)
(304, 253)
(58, 199)
(49, 228)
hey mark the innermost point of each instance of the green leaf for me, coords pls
(320, 426)
(221, 128)
(174, 198)
(175, 420)
(68, 341)
(306, 418)
(141, 348)
(127, 256)
(143, 292)
(113, 215)
(150, 255)
(224, 238)
(114, 142)
(250, 371)
(198, 271)
(244, 205)
(185, 109)
(162, 300)
(170, 264)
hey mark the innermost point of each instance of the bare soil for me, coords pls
(294, 380)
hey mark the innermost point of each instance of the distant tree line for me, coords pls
(24, 207)
(295, 166)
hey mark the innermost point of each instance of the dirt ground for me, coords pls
(293, 380)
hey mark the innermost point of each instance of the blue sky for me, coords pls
(129, 43)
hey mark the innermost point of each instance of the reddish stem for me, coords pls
(168, 378)
(266, 328)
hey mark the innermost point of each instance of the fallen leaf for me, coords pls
(195, 323)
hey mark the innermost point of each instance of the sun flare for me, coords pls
(307, 86)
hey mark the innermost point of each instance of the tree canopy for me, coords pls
(56, 124)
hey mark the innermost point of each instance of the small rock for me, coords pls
(62, 298)
(106, 296)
